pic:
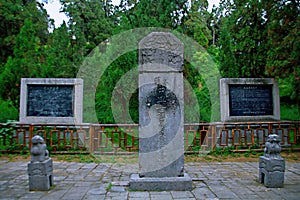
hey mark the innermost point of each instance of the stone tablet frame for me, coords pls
(77, 101)
(225, 101)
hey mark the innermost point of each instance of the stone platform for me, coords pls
(109, 181)
(183, 183)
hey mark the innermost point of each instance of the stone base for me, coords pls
(271, 172)
(40, 175)
(183, 183)
(271, 179)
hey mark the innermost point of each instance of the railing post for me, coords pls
(31, 128)
(91, 130)
(213, 136)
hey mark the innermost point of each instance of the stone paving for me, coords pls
(211, 180)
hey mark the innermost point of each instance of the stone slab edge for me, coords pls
(160, 184)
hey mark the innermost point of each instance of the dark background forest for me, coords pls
(245, 38)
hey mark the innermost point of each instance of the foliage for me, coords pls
(107, 85)
(90, 21)
(244, 39)
(13, 15)
(21, 64)
(7, 130)
(224, 152)
(283, 45)
(61, 54)
(153, 13)
(289, 112)
(195, 25)
(8, 111)
(261, 39)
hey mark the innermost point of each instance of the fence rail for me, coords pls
(124, 139)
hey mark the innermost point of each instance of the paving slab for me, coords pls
(109, 181)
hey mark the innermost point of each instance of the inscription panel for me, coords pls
(50, 100)
(250, 100)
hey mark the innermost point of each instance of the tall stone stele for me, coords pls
(161, 103)
(40, 169)
(272, 165)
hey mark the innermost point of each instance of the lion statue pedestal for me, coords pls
(272, 165)
(40, 169)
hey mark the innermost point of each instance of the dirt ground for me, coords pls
(236, 157)
(241, 157)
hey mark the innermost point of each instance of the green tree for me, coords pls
(261, 39)
(196, 25)
(12, 17)
(283, 46)
(27, 61)
(243, 39)
(90, 21)
(62, 57)
(153, 13)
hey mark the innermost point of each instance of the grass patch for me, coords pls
(81, 158)
(109, 187)
(131, 159)
(249, 156)
(52, 187)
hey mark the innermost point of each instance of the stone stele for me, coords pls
(161, 102)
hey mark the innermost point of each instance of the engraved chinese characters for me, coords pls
(50, 100)
(161, 49)
(161, 142)
(250, 100)
(159, 119)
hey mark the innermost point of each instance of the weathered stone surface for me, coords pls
(160, 183)
(273, 148)
(161, 103)
(161, 127)
(272, 165)
(161, 143)
(40, 175)
(40, 169)
(160, 52)
(38, 149)
(237, 177)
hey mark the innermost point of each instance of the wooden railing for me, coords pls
(124, 139)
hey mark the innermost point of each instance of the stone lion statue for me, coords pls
(38, 150)
(273, 148)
